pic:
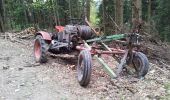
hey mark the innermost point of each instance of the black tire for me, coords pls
(84, 68)
(141, 64)
(40, 46)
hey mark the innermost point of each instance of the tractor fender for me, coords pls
(45, 35)
(59, 28)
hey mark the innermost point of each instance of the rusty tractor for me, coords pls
(82, 38)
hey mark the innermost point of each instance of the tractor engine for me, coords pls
(68, 38)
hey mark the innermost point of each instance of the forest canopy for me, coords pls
(113, 15)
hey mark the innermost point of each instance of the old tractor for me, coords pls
(82, 38)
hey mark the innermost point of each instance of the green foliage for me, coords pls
(163, 19)
(24, 13)
(109, 9)
(127, 11)
(93, 14)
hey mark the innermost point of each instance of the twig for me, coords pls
(20, 42)
(10, 37)
(13, 39)
(26, 36)
(115, 23)
(32, 65)
(147, 34)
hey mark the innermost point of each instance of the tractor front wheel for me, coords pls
(84, 67)
(40, 49)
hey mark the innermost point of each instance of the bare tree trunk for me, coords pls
(1, 24)
(54, 11)
(58, 19)
(78, 9)
(104, 20)
(119, 13)
(2, 16)
(149, 15)
(136, 13)
(23, 2)
(88, 9)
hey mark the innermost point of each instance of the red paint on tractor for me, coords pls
(59, 28)
(37, 50)
(45, 35)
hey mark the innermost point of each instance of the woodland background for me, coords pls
(115, 16)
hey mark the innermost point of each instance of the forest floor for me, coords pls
(22, 79)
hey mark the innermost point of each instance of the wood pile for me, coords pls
(28, 33)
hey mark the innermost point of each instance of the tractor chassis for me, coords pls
(89, 48)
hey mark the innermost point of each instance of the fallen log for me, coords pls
(26, 36)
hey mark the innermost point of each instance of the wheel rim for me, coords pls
(138, 65)
(37, 49)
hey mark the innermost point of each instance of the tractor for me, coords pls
(83, 38)
(64, 39)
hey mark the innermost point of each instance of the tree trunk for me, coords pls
(104, 19)
(136, 13)
(119, 13)
(149, 15)
(23, 3)
(58, 17)
(1, 25)
(2, 20)
(88, 9)
(54, 10)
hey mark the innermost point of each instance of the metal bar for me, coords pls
(93, 40)
(117, 51)
(107, 38)
(122, 62)
(109, 49)
(116, 37)
(86, 45)
(120, 50)
(106, 67)
(57, 45)
(106, 46)
(110, 52)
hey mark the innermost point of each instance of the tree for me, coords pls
(149, 14)
(162, 19)
(136, 13)
(127, 11)
(119, 13)
(2, 16)
(88, 9)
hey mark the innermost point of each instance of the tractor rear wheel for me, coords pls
(40, 49)
(84, 67)
(141, 64)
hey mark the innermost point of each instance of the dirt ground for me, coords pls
(22, 79)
